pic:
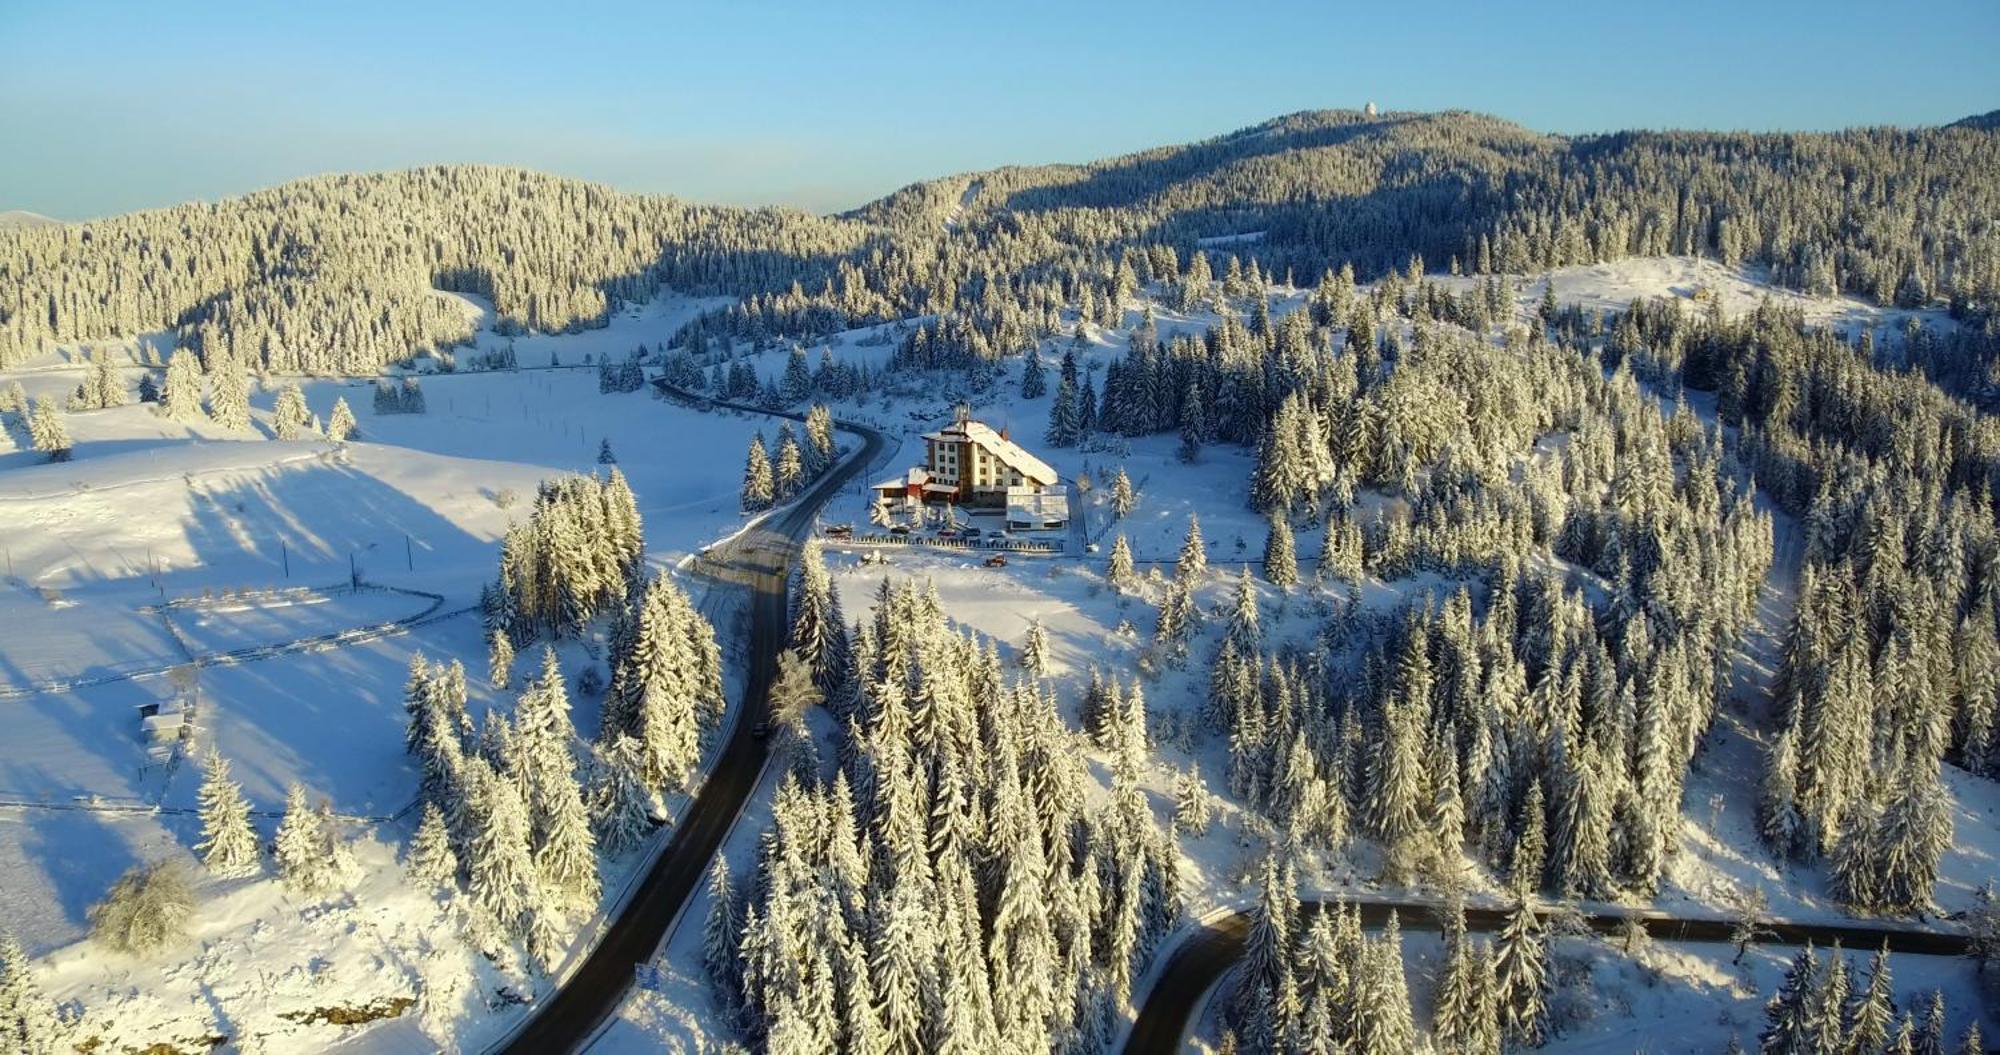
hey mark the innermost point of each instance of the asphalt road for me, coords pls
(759, 558)
(1200, 959)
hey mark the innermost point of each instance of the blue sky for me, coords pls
(106, 107)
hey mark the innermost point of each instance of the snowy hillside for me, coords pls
(161, 542)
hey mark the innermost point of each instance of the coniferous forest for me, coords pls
(1586, 518)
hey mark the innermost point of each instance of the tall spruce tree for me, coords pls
(229, 844)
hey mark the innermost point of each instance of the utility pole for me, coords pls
(409, 555)
(286, 552)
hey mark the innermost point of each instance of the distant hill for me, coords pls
(337, 274)
(1986, 122)
(22, 218)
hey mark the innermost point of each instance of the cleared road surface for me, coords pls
(1199, 960)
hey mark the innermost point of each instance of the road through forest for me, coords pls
(760, 559)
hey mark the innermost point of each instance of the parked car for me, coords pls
(840, 531)
(899, 529)
(998, 560)
(947, 532)
(968, 532)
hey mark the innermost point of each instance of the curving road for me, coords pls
(759, 558)
(1200, 959)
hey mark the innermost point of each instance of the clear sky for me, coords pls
(106, 107)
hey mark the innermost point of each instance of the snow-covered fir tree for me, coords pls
(1193, 558)
(499, 659)
(340, 425)
(759, 485)
(290, 416)
(228, 842)
(180, 396)
(1118, 569)
(1281, 562)
(47, 431)
(666, 684)
(1123, 499)
(788, 469)
(1035, 650)
(1034, 377)
(545, 769)
(298, 846)
(819, 628)
(1192, 806)
(228, 393)
(28, 1020)
(430, 860)
(624, 809)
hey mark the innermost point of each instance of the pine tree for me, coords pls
(431, 861)
(46, 429)
(721, 934)
(660, 682)
(1034, 378)
(1872, 1012)
(1521, 976)
(28, 1022)
(564, 847)
(604, 455)
(1194, 426)
(1931, 1035)
(498, 855)
(229, 393)
(300, 847)
(797, 383)
(759, 489)
(1281, 565)
(1788, 1017)
(180, 398)
(789, 469)
(105, 387)
(1065, 416)
(1531, 846)
(1458, 1007)
(623, 808)
(1268, 946)
(1193, 559)
(499, 659)
(1777, 805)
(340, 425)
(1191, 802)
(289, 416)
(1118, 569)
(229, 843)
(819, 628)
(1123, 499)
(1035, 650)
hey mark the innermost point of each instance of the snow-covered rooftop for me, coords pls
(1009, 452)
